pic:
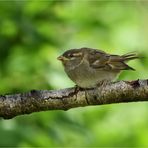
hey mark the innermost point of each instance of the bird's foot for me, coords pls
(77, 89)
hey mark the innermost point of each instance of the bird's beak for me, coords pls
(62, 58)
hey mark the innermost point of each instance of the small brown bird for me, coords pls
(88, 67)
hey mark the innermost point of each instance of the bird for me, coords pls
(88, 67)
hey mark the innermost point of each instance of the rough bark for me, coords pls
(42, 100)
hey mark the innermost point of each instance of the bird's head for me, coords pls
(71, 57)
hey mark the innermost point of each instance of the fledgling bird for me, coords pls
(88, 67)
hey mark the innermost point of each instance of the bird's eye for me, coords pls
(70, 55)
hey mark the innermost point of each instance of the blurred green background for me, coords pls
(33, 33)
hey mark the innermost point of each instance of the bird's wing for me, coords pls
(98, 60)
(104, 61)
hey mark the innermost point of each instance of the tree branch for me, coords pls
(42, 100)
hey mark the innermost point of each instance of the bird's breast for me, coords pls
(87, 77)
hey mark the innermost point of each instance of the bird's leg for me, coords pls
(77, 89)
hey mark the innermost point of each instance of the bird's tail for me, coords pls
(130, 56)
(120, 62)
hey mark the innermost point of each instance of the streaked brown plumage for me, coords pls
(87, 67)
